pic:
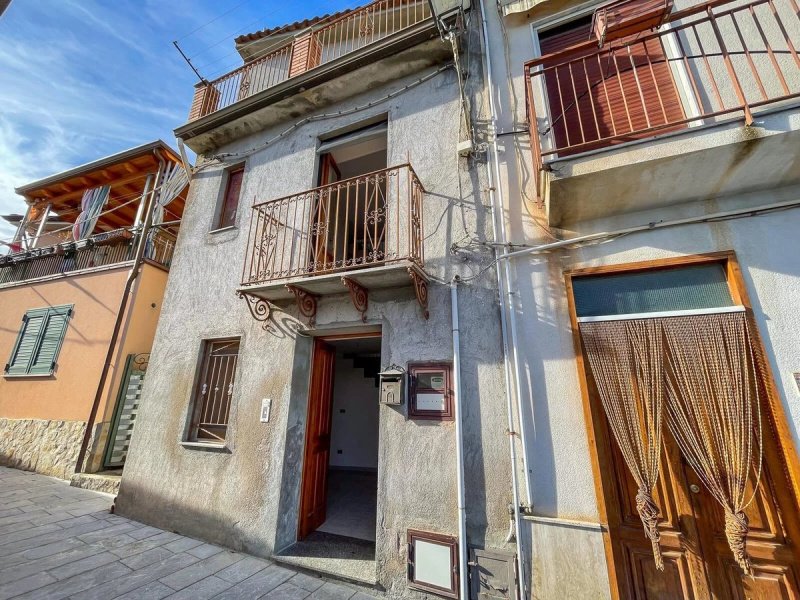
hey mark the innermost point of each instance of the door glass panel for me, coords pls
(703, 286)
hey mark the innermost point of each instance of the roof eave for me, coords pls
(98, 164)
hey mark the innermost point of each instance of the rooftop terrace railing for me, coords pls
(708, 63)
(311, 48)
(366, 221)
(100, 250)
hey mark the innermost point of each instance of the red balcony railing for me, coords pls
(310, 49)
(708, 63)
(366, 221)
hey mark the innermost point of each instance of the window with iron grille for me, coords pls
(212, 397)
(39, 341)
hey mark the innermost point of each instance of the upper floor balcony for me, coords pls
(92, 217)
(357, 234)
(324, 60)
(703, 105)
(108, 249)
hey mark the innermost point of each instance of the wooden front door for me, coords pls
(314, 490)
(697, 561)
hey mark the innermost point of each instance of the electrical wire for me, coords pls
(217, 18)
(224, 156)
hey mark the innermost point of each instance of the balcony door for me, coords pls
(601, 97)
(348, 221)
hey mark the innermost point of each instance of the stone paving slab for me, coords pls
(61, 542)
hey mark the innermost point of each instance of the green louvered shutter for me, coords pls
(27, 342)
(44, 359)
(39, 341)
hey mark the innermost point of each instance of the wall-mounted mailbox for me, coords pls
(393, 385)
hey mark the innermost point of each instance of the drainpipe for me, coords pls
(506, 323)
(149, 193)
(462, 510)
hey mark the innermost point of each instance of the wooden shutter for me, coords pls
(227, 216)
(44, 359)
(39, 341)
(603, 94)
(26, 343)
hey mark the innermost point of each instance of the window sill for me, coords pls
(222, 229)
(206, 446)
(29, 376)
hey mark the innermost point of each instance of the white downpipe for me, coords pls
(504, 281)
(463, 578)
(498, 217)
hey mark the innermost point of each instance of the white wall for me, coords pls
(355, 431)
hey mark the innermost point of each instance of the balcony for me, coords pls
(106, 249)
(347, 48)
(617, 128)
(356, 235)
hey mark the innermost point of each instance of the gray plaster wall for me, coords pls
(246, 496)
(566, 530)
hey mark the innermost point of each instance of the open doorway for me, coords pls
(349, 217)
(340, 471)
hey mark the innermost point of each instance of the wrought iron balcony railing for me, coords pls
(707, 63)
(100, 250)
(332, 40)
(367, 221)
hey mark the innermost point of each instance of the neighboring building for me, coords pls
(80, 295)
(671, 158)
(330, 197)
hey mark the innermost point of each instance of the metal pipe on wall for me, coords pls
(151, 185)
(498, 228)
(463, 578)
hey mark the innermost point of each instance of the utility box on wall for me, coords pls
(393, 385)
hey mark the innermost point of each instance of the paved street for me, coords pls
(57, 541)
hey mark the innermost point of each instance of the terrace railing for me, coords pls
(100, 250)
(711, 62)
(317, 46)
(366, 221)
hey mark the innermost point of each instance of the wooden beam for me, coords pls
(78, 193)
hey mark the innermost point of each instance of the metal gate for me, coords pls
(130, 391)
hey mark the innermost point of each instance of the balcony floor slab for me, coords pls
(702, 163)
(394, 275)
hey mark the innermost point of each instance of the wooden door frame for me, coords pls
(325, 338)
(600, 457)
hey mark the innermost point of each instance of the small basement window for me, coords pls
(212, 396)
(433, 563)
(431, 391)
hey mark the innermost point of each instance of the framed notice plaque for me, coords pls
(431, 394)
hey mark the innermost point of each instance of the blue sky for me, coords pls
(82, 79)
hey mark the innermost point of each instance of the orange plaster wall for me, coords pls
(138, 331)
(67, 394)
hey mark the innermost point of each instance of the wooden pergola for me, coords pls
(58, 197)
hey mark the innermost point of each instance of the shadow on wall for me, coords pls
(193, 515)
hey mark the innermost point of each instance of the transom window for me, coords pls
(696, 287)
